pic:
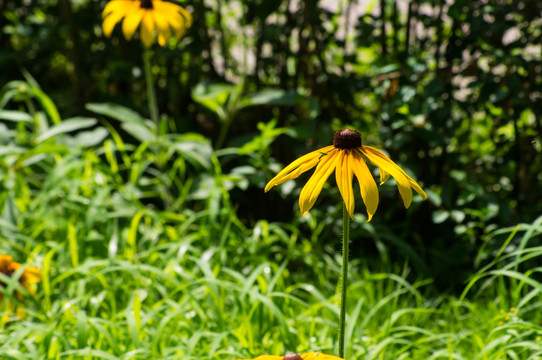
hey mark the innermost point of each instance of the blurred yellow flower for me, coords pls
(155, 16)
(30, 276)
(312, 355)
(347, 156)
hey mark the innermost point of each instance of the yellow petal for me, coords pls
(367, 185)
(5, 263)
(411, 181)
(177, 17)
(384, 176)
(112, 19)
(343, 176)
(118, 5)
(177, 22)
(173, 8)
(298, 167)
(314, 186)
(131, 22)
(187, 17)
(32, 275)
(147, 28)
(385, 163)
(162, 26)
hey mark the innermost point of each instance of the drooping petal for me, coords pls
(384, 176)
(147, 28)
(162, 26)
(298, 167)
(314, 186)
(187, 17)
(176, 22)
(403, 180)
(411, 181)
(367, 185)
(116, 5)
(179, 9)
(178, 18)
(343, 176)
(113, 18)
(131, 22)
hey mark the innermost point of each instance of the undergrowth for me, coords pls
(144, 256)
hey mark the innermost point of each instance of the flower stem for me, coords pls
(344, 278)
(151, 95)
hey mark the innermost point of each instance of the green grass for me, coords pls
(144, 257)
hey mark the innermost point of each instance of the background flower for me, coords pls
(31, 275)
(155, 16)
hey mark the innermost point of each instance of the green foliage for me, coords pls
(144, 256)
(156, 239)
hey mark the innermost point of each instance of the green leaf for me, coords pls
(440, 216)
(89, 138)
(66, 126)
(115, 111)
(48, 105)
(271, 97)
(17, 116)
(139, 131)
(131, 122)
(213, 96)
(11, 149)
(196, 151)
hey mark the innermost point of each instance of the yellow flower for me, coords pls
(312, 355)
(347, 156)
(164, 18)
(28, 278)
(30, 275)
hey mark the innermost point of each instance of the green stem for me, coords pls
(151, 95)
(223, 132)
(344, 278)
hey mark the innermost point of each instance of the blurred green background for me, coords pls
(451, 90)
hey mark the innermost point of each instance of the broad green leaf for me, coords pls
(139, 131)
(213, 96)
(11, 149)
(15, 116)
(66, 126)
(89, 138)
(133, 123)
(118, 112)
(196, 149)
(271, 97)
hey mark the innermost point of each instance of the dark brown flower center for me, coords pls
(146, 4)
(347, 139)
(292, 357)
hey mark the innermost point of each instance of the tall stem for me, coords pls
(344, 278)
(223, 131)
(151, 95)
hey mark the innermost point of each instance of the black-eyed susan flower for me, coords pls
(347, 157)
(312, 355)
(31, 275)
(155, 16)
